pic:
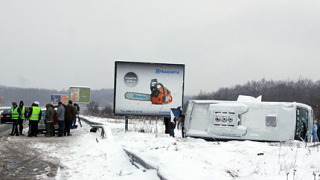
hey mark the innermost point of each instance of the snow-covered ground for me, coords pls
(86, 155)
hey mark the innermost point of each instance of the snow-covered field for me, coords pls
(86, 155)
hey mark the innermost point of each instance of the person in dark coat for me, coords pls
(49, 120)
(181, 124)
(54, 117)
(74, 120)
(23, 112)
(69, 115)
(173, 126)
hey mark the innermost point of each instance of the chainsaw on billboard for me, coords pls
(159, 94)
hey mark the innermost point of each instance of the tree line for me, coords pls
(303, 91)
(28, 95)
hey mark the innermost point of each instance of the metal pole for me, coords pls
(126, 123)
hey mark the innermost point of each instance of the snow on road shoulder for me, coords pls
(86, 155)
(191, 158)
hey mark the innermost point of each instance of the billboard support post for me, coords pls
(126, 123)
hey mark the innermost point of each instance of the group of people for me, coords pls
(65, 117)
(18, 114)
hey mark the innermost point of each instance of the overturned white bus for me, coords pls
(248, 120)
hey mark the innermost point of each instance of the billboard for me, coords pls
(79, 94)
(55, 98)
(143, 88)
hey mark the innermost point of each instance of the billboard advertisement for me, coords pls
(143, 88)
(79, 94)
(55, 98)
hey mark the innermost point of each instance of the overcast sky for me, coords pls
(58, 43)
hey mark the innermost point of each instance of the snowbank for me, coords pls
(86, 155)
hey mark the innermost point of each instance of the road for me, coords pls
(5, 127)
(19, 161)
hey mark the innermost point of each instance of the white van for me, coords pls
(249, 119)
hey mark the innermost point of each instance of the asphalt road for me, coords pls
(5, 127)
(20, 161)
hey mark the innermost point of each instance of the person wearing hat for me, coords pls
(60, 118)
(22, 112)
(15, 116)
(49, 120)
(34, 117)
(74, 120)
(70, 114)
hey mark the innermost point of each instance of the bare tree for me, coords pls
(93, 108)
(107, 112)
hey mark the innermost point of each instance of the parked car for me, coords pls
(42, 124)
(6, 116)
